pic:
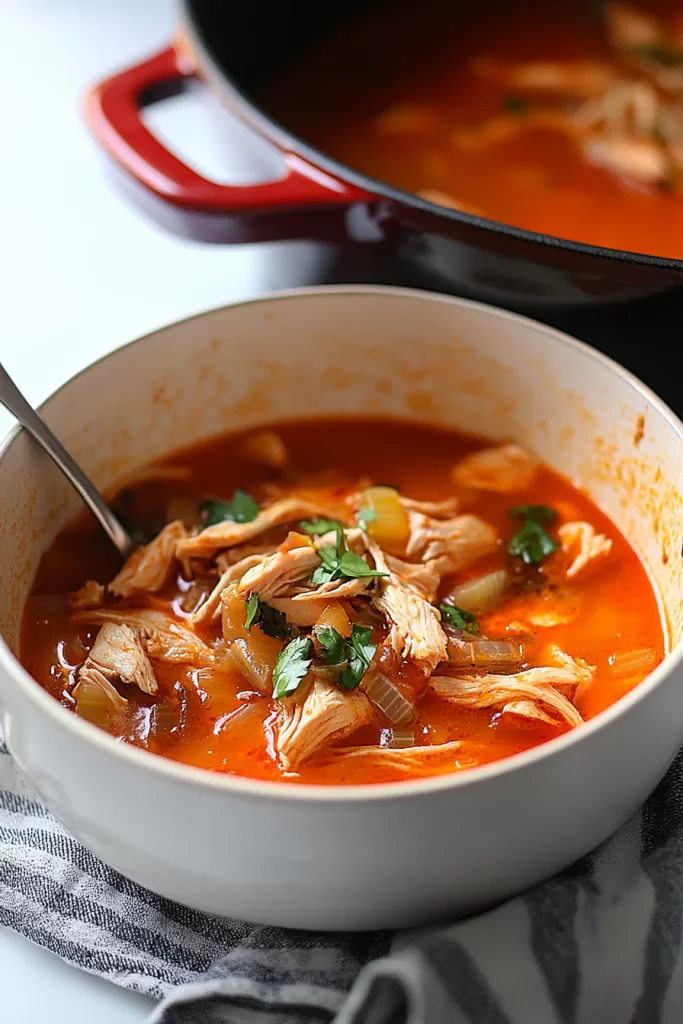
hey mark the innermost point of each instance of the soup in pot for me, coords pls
(564, 118)
(344, 601)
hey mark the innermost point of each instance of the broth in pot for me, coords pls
(564, 118)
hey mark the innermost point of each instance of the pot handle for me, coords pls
(112, 109)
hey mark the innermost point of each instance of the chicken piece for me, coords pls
(416, 631)
(438, 509)
(210, 610)
(582, 673)
(118, 655)
(305, 608)
(149, 567)
(576, 78)
(323, 714)
(91, 595)
(504, 468)
(627, 27)
(650, 46)
(413, 761)
(644, 160)
(162, 637)
(455, 542)
(266, 447)
(277, 574)
(504, 128)
(583, 546)
(627, 109)
(422, 577)
(534, 685)
(228, 533)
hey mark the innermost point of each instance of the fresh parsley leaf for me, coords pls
(535, 513)
(242, 509)
(329, 558)
(274, 622)
(333, 645)
(532, 544)
(252, 608)
(291, 665)
(365, 516)
(360, 653)
(270, 621)
(353, 566)
(459, 618)
(514, 104)
(318, 527)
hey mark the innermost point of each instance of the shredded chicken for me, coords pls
(408, 760)
(504, 468)
(118, 656)
(416, 631)
(422, 577)
(91, 595)
(437, 509)
(162, 637)
(456, 542)
(646, 160)
(536, 685)
(321, 714)
(227, 534)
(580, 78)
(628, 27)
(210, 610)
(277, 574)
(577, 675)
(149, 567)
(583, 546)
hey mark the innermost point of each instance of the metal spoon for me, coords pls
(14, 401)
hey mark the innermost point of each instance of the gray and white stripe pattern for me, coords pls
(600, 944)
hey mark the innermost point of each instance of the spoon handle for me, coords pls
(14, 401)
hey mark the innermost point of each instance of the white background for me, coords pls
(82, 272)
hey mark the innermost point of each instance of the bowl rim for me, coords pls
(190, 775)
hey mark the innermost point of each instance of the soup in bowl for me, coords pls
(401, 633)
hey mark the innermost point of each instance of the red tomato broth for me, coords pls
(217, 721)
(421, 57)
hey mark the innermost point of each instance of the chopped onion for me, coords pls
(633, 663)
(491, 655)
(97, 700)
(401, 738)
(480, 594)
(388, 699)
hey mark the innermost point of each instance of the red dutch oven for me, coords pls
(235, 49)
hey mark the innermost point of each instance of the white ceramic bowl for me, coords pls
(357, 857)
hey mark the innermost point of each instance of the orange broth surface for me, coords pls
(422, 59)
(215, 720)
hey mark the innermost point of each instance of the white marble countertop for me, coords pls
(83, 272)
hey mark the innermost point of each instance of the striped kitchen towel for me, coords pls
(600, 944)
